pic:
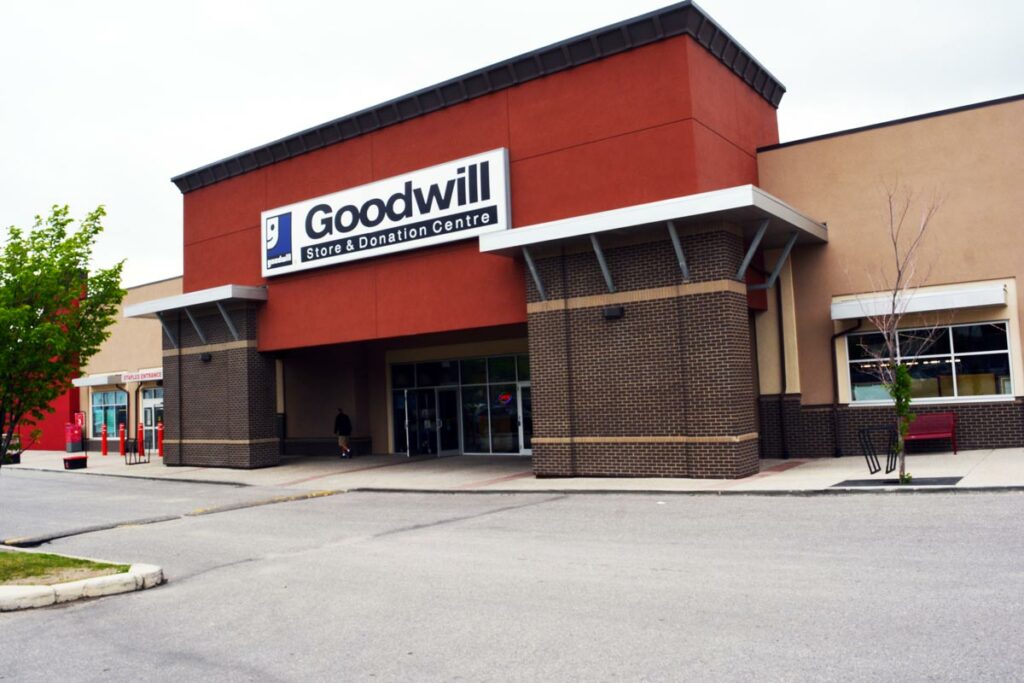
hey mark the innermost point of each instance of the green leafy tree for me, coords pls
(54, 314)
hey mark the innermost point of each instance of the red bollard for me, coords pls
(141, 441)
(160, 439)
(103, 440)
(120, 435)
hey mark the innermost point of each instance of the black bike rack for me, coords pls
(870, 438)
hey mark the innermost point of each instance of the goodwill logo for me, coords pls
(278, 235)
(452, 201)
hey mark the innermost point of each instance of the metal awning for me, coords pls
(919, 301)
(767, 223)
(98, 380)
(201, 301)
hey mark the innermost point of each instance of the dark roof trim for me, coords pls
(684, 18)
(894, 122)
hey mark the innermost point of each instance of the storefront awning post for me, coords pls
(754, 244)
(601, 262)
(778, 264)
(167, 331)
(534, 274)
(227, 321)
(678, 247)
(195, 324)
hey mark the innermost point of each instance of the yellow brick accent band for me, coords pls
(653, 294)
(750, 436)
(219, 442)
(210, 348)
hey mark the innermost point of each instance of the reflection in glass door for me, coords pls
(526, 418)
(504, 419)
(448, 421)
(423, 422)
(152, 415)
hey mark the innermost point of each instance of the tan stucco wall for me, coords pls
(970, 158)
(134, 343)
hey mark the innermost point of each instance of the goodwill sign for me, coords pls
(451, 201)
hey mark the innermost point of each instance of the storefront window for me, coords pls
(403, 376)
(474, 371)
(501, 369)
(504, 419)
(523, 365)
(489, 392)
(476, 423)
(109, 408)
(958, 361)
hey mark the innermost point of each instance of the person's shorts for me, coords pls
(343, 441)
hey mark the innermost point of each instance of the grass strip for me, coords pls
(15, 565)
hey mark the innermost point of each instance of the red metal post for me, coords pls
(160, 439)
(103, 440)
(141, 441)
(121, 435)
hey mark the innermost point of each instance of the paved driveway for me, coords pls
(389, 586)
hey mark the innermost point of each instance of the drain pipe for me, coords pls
(838, 452)
(782, 370)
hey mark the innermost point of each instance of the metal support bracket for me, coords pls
(678, 247)
(167, 331)
(195, 324)
(604, 264)
(778, 264)
(534, 274)
(227, 320)
(754, 244)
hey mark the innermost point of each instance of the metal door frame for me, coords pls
(523, 450)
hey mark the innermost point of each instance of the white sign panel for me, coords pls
(452, 201)
(147, 375)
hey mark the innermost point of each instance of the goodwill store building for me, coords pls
(578, 254)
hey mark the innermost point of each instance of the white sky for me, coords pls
(104, 101)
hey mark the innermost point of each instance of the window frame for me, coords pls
(952, 356)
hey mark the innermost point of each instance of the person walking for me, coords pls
(343, 430)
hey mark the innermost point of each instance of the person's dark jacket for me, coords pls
(342, 425)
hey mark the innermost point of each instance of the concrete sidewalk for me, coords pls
(980, 469)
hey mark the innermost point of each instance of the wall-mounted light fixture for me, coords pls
(206, 357)
(614, 312)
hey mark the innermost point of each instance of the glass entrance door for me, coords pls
(152, 414)
(422, 411)
(525, 418)
(427, 421)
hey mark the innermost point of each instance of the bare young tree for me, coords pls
(899, 276)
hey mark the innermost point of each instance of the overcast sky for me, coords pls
(102, 101)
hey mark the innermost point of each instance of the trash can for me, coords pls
(72, 438)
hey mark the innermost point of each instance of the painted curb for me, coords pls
(138, 577)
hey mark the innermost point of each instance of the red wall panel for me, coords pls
(448, 287)
(52, 425)
(633, 91)
(475, 126)
(660, 121)
(727, 105)
(324, 171)
(637, 167)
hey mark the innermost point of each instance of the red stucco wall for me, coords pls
(659, 121)
(52, 425)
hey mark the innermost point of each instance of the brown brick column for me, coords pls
(665, 391)
(219, 412)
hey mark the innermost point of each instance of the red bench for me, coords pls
(75, 462)
(933, 426)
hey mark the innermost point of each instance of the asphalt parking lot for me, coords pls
(397, 586)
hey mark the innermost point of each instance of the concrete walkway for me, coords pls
(980, 469)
